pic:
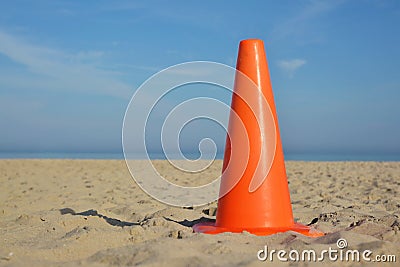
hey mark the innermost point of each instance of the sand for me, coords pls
(91, 213)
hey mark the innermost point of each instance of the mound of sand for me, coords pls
(90, 212)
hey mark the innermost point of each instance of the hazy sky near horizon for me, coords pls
(69, 68)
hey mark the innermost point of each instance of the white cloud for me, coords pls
(88, 55)
(54, 69)
(290, 66)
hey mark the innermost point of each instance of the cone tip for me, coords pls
(252, 41)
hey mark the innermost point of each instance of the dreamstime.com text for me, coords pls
(340, 253)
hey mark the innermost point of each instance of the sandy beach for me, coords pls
(91, 213)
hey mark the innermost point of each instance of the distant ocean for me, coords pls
(288, 156)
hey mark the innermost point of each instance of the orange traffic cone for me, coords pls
(254, 197)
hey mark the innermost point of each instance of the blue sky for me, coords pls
(69, 68)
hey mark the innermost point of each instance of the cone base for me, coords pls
(211, 228)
